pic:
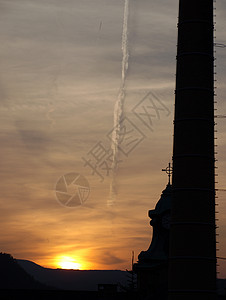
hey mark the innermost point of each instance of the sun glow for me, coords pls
(67, 262)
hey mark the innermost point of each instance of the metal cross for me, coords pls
(169, 171)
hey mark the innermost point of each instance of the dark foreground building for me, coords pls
(192, 265)
(152, 266)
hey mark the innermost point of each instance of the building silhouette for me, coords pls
(191, 265)
(152, 266)
(192, 253)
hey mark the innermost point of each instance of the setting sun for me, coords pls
(67, 262)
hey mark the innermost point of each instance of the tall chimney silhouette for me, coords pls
(192, 266)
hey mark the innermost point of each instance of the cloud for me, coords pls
(109, 259)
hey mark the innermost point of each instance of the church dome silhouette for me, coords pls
(72, 189)
(164, 203)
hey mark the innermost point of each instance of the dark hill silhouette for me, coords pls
(13, 276)
(16, 283)
(81, 280)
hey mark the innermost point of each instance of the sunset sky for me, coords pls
(60, 77)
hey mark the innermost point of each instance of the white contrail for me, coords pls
(119, 105)
(125, 51)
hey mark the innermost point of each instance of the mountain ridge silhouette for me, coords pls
(83, 280)
(13, 276)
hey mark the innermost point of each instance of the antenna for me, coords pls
(132, 259)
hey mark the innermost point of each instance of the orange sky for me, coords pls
(60, 76)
